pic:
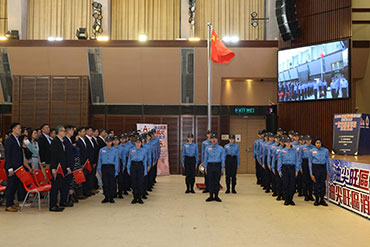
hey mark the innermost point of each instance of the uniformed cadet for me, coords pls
(271, 165)
(261, 159)
(157, 145)
(205, 145)
(295, 139)
(319, 170)
(122, 152)
(306, 178)
(137, 169)
(151, 160)
(189, 161)
(280, 131)
(116, 145)
(291, 135)
(108, 168)
(288, 166)
(232, 162)
(267, 171)
(299, 180)
(153, 169)
(214, 164)
(149, 151)
(274, 167)
(256, 147)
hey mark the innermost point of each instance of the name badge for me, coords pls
(209, 149)
(284, 152)
(273, 147)
(206, 143)
(186, 146)
(314, 152)
(133, 151)
(304, 149)
(104, 151)
(227, 146)
(278, 151)
(297, 149)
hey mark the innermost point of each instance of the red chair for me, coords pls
(40, 178)
(30, 186)
(2, 188)
(2, 163)
(3, 175)
(48, 175)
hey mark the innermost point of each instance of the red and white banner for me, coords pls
(162, 134)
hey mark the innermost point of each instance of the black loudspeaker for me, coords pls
(286, 17)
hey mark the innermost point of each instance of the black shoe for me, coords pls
(218, 199)
(311, 198)
(129, 189)
(205, 191)
(192, 191)
(292, 203)
(278, 198)
(146, 193)
(115, 196)
(66, 205)
(286, 203)
(140, 201)
(227, 191)
(144, 197)
(187, 191)
(209, 199)
(134, 201)
(300, 194)
(56, 209)
(306, 198)
(150, 189)
(274, 194)
(267, 191)
(111, 200)
(120, 196)
(233, 191)
(105, 200)
(323, 202)
(316, 203)
(125, 193)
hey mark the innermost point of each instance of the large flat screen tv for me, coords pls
(315, 72)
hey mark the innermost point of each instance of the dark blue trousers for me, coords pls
(12, 185)
(109, 180)
(319, 171)
(214, 176)
(66, 184)
(137, 178)
(306, 178)
(288, 181)
(189, 164)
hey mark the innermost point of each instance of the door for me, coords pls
(247, 128)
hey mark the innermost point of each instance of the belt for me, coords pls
(230, 156)
(318, 164)
(107, 165)
(136, 162)
(214, 163)
(190, 157)
(288, 165)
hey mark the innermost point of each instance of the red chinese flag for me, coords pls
(322, 54)
(88, 166)
(79, 176)
(220, 53)
(60, 170)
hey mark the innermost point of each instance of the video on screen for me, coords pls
(314, 72)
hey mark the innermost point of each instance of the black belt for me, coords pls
(214, 163)
(318, 164)
(136, 162)
(231, 156)
(107, 165)
(189, 157)
(288, 165)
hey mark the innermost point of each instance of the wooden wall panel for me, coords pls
(313, 117)
(98, 121)
(173, 125)
(54, 100)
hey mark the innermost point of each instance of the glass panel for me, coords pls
(187, 75)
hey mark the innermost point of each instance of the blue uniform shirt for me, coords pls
(275, 156)
(214, 154)
(306, 151)
(190, 150)
(288, 157)
(319, 156)
(137, 155)
(125, 148)
(149, 150)
(255, 148)
(261, 147)
(205, 144)
(108, 156)
(233, 150)
(271, 153)
(265, 151)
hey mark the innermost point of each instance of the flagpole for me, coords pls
(209, 108)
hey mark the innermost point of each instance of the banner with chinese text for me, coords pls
(346, 133)
(162, 135)
(348, 186)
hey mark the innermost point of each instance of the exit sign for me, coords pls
(244, 110)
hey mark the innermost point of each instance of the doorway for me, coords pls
(247, 128)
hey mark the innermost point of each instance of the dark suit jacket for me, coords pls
(83, 151)
(58, 155)
(101, 143)
(70, 153)
(44, 151)
(13, 154)
(90, 151)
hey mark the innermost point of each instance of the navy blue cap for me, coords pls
(190, 135)
(231, 136)
(109, 139)
(213, 136)
(307, 137)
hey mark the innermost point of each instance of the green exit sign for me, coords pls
(244, 110)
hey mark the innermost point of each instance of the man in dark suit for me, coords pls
(44, 145)
(13, 160)
(91, 154)
(81, 144)
(101, 139)
(58, 157)
(70, 154)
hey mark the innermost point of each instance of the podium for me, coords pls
(351, 134)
